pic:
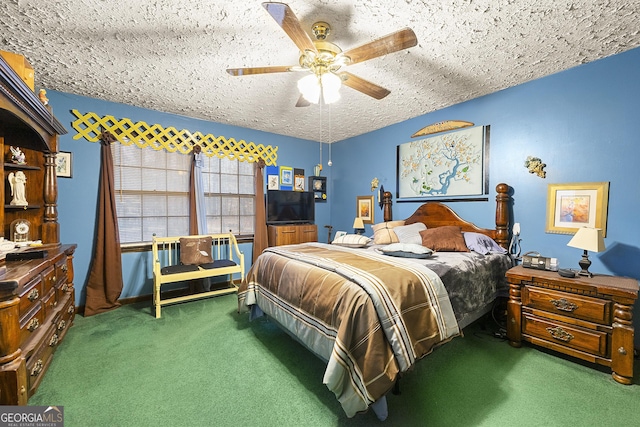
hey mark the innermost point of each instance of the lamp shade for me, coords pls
(589, 239)
(358, 223)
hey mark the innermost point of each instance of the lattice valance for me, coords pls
(90, 125)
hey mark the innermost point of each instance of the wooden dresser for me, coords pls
(292, 234)
(37, 307)
(37, 302)
(587, 318)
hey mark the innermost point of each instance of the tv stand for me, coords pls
(291, 234)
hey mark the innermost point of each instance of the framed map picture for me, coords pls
(452, 166)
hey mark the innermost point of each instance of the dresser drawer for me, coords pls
(49, 302)
(31, 323)
(30, 295)
(64, 321)
(590, 341)
(61, 272)
(571, 305)
(39, 361)
(48, 279)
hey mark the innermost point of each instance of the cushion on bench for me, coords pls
(219, 263)
(180, 268)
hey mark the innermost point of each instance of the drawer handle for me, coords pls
(564, 305)
(33, 295)
(560, 334)
(64, 267)
(65, 287)
(71, 309)
(33, 325)
(37, 368)
(53, 341)
(61, 325)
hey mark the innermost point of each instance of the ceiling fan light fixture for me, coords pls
(309, 87)
(327, 85)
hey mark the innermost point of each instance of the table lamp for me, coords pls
(358, 225)
(588, 239)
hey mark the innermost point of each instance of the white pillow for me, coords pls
(352, 240)
(406, 250)
(410, 233)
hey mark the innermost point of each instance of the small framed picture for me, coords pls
(286, 175)
(64, 164)
(575, 205)
(364, 208)
(273, 182)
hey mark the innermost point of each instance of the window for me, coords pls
(153, 193)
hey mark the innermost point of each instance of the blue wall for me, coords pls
(583, 123)
(77, 196)
(580, 122)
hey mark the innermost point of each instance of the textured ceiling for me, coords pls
(171, 55)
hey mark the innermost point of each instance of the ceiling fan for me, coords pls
(324, 60)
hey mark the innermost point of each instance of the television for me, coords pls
(290, 207)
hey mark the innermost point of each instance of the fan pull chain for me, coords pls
(329, 163)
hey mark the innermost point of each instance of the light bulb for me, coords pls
(330, 87)
(309, 87)
(330, 163)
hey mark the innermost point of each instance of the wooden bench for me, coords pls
(169, 265)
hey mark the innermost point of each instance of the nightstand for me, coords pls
(587, 318)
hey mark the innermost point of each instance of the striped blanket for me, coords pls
(370, 316)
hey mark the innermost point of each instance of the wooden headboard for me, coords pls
(435, 214)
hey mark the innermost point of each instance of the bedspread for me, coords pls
(368, 315)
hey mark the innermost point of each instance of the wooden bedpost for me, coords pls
(502, 215)
(386, 203)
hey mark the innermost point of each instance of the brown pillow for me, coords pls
(446, 239)
(383, 233)
(195, 250)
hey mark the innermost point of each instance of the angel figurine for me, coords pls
(18, 183)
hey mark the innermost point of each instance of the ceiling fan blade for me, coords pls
(260, 70)
(285, 17)
(388, 44)
(362, 85)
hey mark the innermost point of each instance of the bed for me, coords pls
(371, 315)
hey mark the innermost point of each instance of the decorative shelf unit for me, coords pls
(37, 300)
(25, 122)
(318, 184)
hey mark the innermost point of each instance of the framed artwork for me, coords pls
(286, 176)
(448, 167)
(273, 182)
(572, 206)
(64, 164)
(298, 179)
(364, 208)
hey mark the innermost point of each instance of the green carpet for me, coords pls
(202, 364)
